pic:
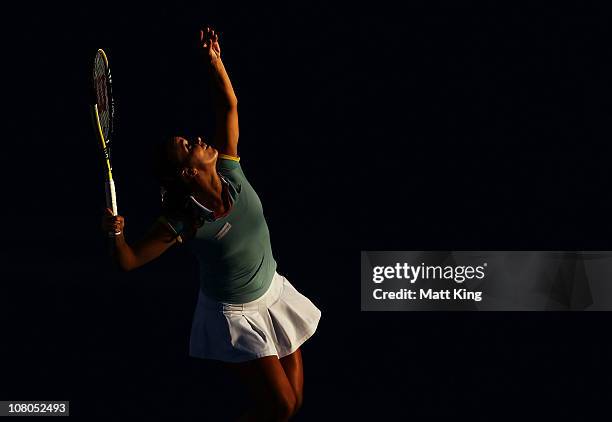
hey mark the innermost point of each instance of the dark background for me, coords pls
(382, 129)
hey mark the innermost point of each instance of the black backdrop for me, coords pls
(428, 128)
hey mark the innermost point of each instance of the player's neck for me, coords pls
(210, 194)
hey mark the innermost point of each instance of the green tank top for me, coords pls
(234, 252)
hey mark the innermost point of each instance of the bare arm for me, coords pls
(225, 101)
(156, 241)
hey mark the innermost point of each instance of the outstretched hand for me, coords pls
(209, 40)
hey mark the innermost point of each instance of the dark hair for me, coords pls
(174, 192)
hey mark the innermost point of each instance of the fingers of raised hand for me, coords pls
(208, 37)
(204, 38)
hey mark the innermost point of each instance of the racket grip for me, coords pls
(111, 200)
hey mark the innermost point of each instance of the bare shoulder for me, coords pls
(229, 151)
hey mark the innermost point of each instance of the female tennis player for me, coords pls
(247, 315)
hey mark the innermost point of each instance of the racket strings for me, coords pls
(103, 98)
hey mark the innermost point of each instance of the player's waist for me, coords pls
(232, 288)
(267, 297)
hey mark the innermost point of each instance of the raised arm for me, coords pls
(153, 244)
(225, 101)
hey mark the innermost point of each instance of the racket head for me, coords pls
(103, 95)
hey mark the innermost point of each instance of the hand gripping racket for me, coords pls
(103, 113)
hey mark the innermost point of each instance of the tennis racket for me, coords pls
(103, 113)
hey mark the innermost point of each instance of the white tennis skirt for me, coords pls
(275, 324)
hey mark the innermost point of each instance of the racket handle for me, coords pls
(111, 200)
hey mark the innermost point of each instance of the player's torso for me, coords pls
(237, 238)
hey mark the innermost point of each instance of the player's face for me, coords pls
(194, 152)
